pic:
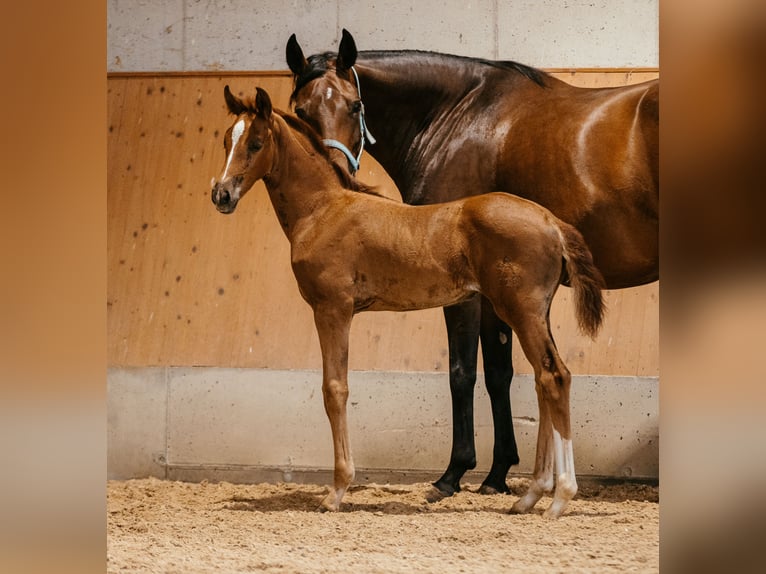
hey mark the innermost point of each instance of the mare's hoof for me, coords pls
(487, 489)
(435, 494)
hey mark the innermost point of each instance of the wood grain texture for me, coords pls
(188, 286)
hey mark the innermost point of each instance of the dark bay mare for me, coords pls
(449, 127)
(353, 251)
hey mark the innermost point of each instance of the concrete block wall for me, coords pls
(257, 425)
(194, 35)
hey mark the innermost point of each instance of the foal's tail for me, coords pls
(584, 278)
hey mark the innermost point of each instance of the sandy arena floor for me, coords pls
(175, 527)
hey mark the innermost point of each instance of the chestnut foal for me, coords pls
(353, 251)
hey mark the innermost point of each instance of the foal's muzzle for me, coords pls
(223, 198)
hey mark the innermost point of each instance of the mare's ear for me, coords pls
(295, 58)
(262, 103)
(346, 52)
(234, 104)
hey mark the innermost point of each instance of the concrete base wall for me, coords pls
(246, 425)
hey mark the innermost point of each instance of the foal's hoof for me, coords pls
(516, 510)
(521, 506)
(330, 503)
(322, 508)
(552, 514)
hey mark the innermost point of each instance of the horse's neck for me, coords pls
(400, 95)
(405, 73)
(301, 181)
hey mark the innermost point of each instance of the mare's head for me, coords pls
(326, 95)
(249, 149)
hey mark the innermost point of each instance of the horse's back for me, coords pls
(507, 213)
(591, 157)
(516, 251)
(501, 226)
(649, 119)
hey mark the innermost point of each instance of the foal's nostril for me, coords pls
(220, 195)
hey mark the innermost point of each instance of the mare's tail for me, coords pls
(584, 278)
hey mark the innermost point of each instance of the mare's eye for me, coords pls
(356, 107)
(254, 146)
(301, 113)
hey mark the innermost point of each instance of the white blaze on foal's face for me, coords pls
(236, 133)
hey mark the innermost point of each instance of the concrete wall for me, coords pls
(186, 35)
(257, 425)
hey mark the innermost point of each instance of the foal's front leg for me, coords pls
(333, 323)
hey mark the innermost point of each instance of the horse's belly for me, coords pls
(414, 304)
(405, 295)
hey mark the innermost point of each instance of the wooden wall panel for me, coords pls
(189, 286)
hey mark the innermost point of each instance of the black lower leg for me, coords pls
(463, 337)
(498, 373)
(463, 456)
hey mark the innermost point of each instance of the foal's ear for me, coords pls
(295, 58)
(234, 104)
(262, 103)
(346, 52)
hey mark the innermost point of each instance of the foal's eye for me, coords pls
(356, 107)
(301, 113)
(254, 146)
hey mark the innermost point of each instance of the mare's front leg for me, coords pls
(498, 372)
(463, 322)
(333, 322)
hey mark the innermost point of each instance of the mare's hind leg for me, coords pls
(333, 323)
(498, 372)
(463, 322)
(555, 458)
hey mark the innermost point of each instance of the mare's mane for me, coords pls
(318, 64)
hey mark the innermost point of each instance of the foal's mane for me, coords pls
(318, 64)
(345, 179)
(297, 124)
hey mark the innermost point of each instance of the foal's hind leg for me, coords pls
(463, 322)
(333, 323)
(498, 372)
(555, 458)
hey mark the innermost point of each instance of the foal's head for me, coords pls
(249, 149)
(326, 94)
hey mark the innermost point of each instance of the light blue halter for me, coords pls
(353, 162)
